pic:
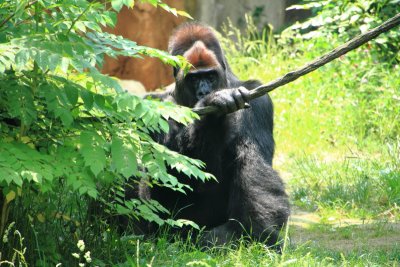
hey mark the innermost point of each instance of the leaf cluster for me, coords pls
(349, 18)
(64, 124)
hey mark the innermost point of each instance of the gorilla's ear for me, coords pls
(224, 63)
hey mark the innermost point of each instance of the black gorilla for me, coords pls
(237, 147)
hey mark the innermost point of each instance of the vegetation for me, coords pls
(349, 18)
(337, 134)
(68, 134)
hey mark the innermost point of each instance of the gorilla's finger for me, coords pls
(245, 93)
(223, 109)
(221, 103)
(231, 105)
(237, 96)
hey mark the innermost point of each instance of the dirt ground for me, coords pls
(343, 235)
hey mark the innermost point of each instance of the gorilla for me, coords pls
(236, 144)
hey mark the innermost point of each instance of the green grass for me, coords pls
(339, 137)
(337, 132)
(337, 129)
(161, 252)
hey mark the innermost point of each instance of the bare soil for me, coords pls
(343, 235)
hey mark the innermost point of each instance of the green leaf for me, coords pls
(10, 196)
(18, 181)
(65, 116)
(184, 14)
(164, 125)
(20, 8)
(182, 222)
(168, 9)
(92, 193)
(57, 102)
(80, 25)
(149, 215)
(129, 3)
(54, 61)
(100, 101)
(42, 60)
(117, 4)
(92, 151)
(32, 176)
(20, 103)
(72, 94)
(124, 157)
(8, 175)
(22, 58)
(88, 99)
(122, 210)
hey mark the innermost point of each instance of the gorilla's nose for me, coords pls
(203, 90)
(200, 94)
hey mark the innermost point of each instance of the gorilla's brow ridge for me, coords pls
(201, 57)
(185, 36)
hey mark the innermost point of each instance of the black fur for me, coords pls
(238, 148)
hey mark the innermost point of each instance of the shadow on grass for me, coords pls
(344, 235)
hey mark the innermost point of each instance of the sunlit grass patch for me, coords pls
(359, 187)
(336, 129)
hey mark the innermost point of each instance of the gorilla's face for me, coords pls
(207, 74)
(197, 84)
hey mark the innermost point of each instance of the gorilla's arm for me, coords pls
(225, 124)
(227, 100)
(256, 204)
(257, 199)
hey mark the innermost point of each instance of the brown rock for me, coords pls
(147, 26)
(133, 87)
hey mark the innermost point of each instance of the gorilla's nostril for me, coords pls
(201, 94)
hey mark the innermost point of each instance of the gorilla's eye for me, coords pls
(212, 76)
(190, 78)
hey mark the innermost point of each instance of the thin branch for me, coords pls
(319, 62)
(13, 14)
(7, 19)
(79, 17)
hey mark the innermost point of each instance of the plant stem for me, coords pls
(13, 14)
(78, 18)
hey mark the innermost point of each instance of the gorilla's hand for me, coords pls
(227, 100)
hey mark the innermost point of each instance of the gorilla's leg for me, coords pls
(258, 204)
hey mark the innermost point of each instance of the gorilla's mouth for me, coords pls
(200, 97)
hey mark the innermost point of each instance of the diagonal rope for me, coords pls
(315, 64)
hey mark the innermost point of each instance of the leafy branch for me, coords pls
(79, 17)
(65, 125)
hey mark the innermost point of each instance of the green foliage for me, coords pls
(348, 18)
(249, 44)
(66, 130)
(13, 238)
(362, 188)
(164, 252)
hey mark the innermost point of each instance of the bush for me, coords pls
(69, 133)
(348, 18)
